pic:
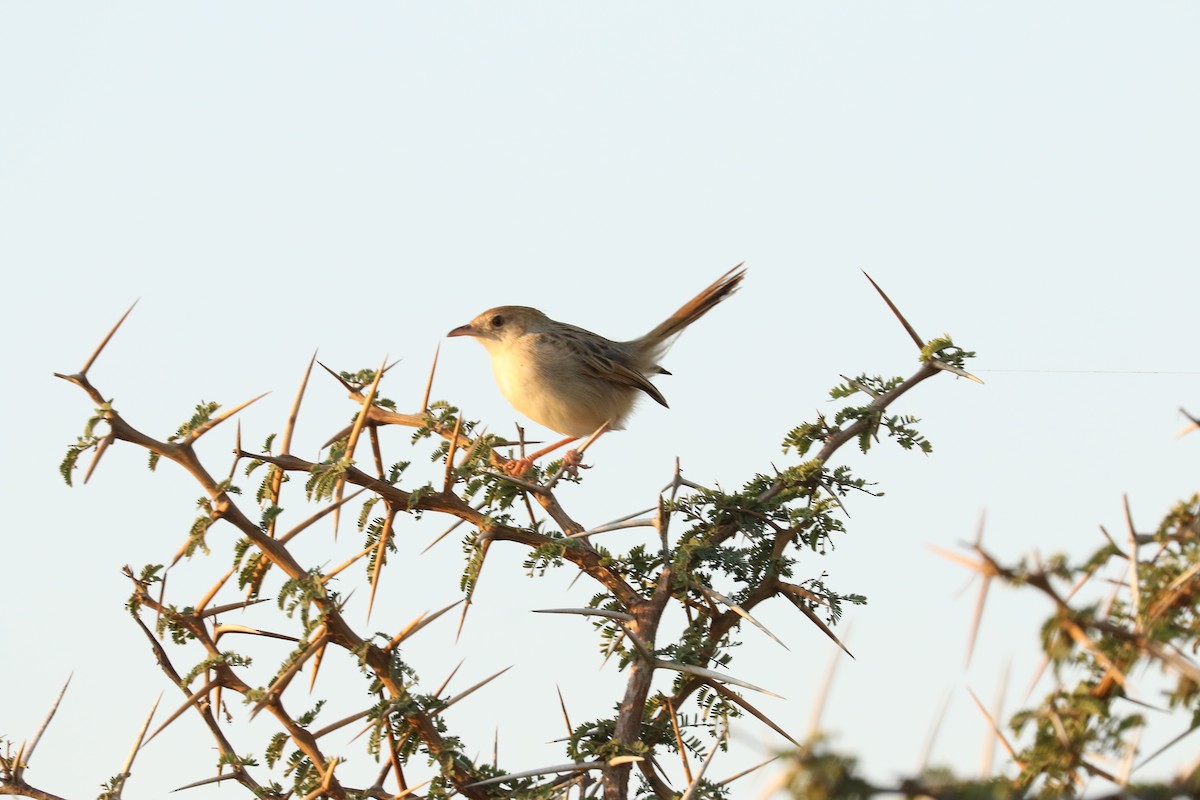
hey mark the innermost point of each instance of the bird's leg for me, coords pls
(519, 466)
(573, 460)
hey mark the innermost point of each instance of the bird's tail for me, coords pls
(657, 340)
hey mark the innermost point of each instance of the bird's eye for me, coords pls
(497, 321)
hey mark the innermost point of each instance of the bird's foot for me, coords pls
(573, 462)
(517, 467)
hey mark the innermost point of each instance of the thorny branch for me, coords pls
(777, 516)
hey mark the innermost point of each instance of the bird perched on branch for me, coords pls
(572, 380)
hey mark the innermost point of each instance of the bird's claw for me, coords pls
(573, 462)
(517, 467)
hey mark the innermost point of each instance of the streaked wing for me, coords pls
(602, 359)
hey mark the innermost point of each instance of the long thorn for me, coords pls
(217, 420)
(1167, 746)
(687, 768)
(815, 620)
(995, 728)
(188, 703)
(461, 695)
(710, 674)
(100, 449)
(318, 657)
(743, 613)
(37, 735)
(977, 617)
(691, 790)
(444, 534)
(985, 766)
(533, 773)
(442, 687)
(353, 390)
(745, 705)
(927, 753)
(348, 562)
(1135, 595)
(746, 772)
(285, 443)
(103, 343)
(417, 624)
(911, 331)
(341, 723)
(127, 770)
(385, 537)
(814, 724)
(447, 485)
(317, 516)
(563, 705)
(429, 383)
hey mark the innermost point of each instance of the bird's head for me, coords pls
(497, 327)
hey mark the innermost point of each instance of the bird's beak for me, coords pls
(462, 330)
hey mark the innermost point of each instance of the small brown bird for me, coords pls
(572, 380)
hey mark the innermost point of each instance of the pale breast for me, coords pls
(542, 381)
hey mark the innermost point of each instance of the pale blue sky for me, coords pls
(273, 178)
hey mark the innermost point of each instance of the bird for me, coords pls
(576, 382)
